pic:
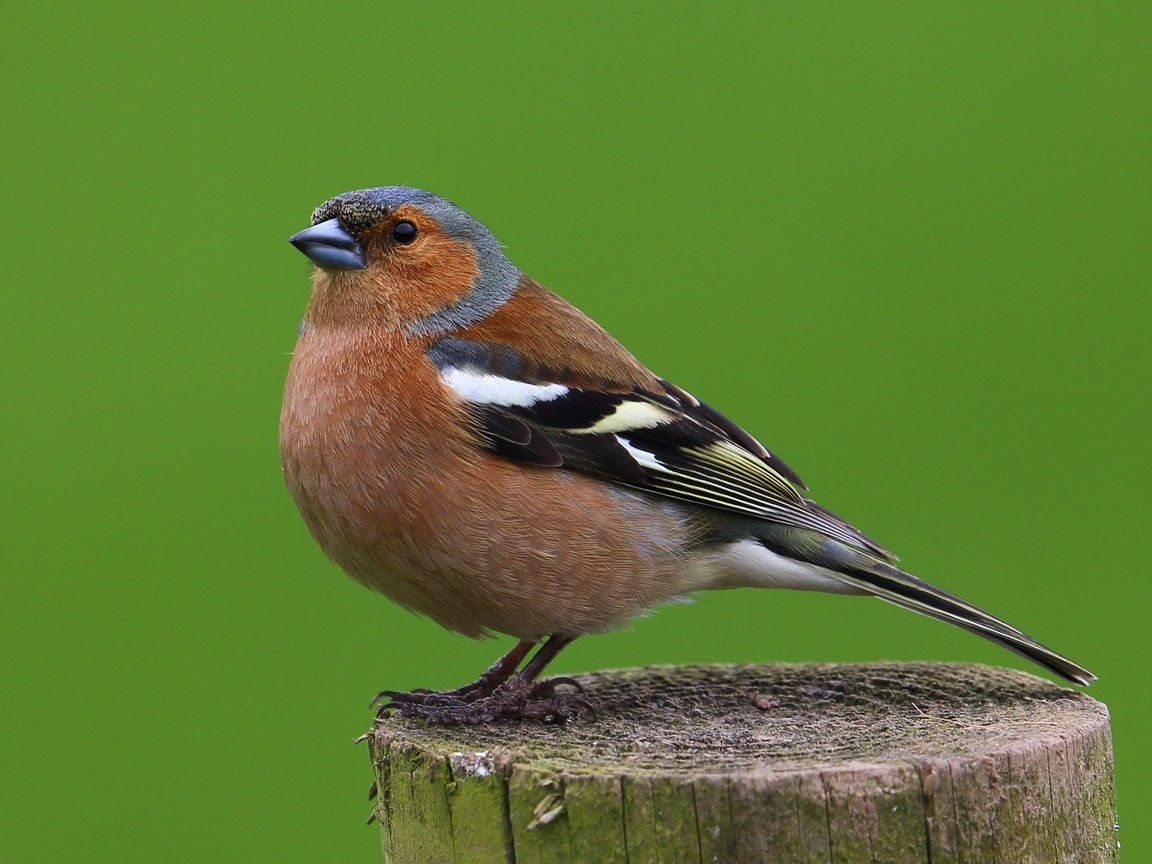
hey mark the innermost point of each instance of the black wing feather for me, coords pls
(514, 439)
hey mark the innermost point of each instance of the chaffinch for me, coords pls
(467, 443)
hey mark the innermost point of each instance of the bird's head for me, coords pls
(408, 258)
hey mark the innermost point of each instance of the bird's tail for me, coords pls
(903, 589)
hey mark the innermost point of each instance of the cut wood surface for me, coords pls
(885, 762)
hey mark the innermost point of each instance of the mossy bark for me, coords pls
(887, 763)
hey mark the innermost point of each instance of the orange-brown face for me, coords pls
(403, 259)
(411, 268)
(414, 266)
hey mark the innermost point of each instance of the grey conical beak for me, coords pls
(330, 246)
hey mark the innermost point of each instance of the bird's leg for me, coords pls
(542, 658)
(526, 697)
(494, 676)
(518, 696)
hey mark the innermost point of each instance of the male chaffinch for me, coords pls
(467, 443)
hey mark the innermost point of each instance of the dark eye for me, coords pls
(404, 232)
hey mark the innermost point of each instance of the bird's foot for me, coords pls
(515, 699)
(421, 696)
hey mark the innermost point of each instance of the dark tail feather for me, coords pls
(903, 589)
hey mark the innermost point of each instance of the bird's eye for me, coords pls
(404, 232)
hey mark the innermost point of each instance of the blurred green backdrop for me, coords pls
(904, 243)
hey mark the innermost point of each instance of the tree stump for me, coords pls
(884, 762)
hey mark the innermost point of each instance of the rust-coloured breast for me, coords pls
(387, 474)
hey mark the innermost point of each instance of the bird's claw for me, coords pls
(516, 699)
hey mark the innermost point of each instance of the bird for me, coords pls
(469, 444)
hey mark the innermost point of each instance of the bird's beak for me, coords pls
(330, 246)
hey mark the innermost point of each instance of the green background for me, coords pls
(904, 244)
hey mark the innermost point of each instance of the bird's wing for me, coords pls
(662, 441)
